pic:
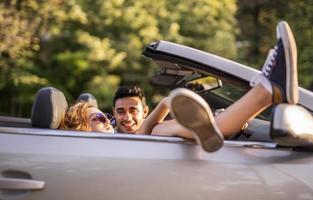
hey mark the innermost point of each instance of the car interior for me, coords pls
(219, 95)
(190, 66)
(50, 104)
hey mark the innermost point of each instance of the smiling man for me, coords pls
(129, 109)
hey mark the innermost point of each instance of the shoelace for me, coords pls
(270, 62)
(267, 67)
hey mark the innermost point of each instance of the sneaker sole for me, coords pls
(192, 112)
(290, 48)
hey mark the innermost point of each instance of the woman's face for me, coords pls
(98, 121)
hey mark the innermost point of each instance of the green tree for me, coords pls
(95, 45)
(103, 50)
(23, 23)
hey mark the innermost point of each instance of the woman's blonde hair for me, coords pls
(76, 117)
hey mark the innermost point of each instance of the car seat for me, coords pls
(49, 108)
(88, 98)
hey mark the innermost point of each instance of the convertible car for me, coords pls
(271, 158)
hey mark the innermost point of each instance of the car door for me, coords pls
(50, 164)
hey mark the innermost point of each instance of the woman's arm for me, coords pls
(156, 116)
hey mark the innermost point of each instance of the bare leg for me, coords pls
(171, 128)
(229, 122)
(209, 130)
(248, 106)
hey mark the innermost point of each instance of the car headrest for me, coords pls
(88, 98)
(48, 108)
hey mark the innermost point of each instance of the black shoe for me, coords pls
(192, 111)
(280, 67)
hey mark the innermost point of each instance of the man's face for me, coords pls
(129, 113)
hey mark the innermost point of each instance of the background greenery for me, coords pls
(95, 45)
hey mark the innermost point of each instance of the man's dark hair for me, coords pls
(129, 91)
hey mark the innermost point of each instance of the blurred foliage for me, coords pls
(23, 23)
(94, 45)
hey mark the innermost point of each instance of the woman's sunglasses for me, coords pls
(104, 118)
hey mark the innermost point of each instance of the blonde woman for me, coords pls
(82, 116)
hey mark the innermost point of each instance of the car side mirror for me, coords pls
(292, 126)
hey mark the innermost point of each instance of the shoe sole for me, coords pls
(290, 48)
(192, 112)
